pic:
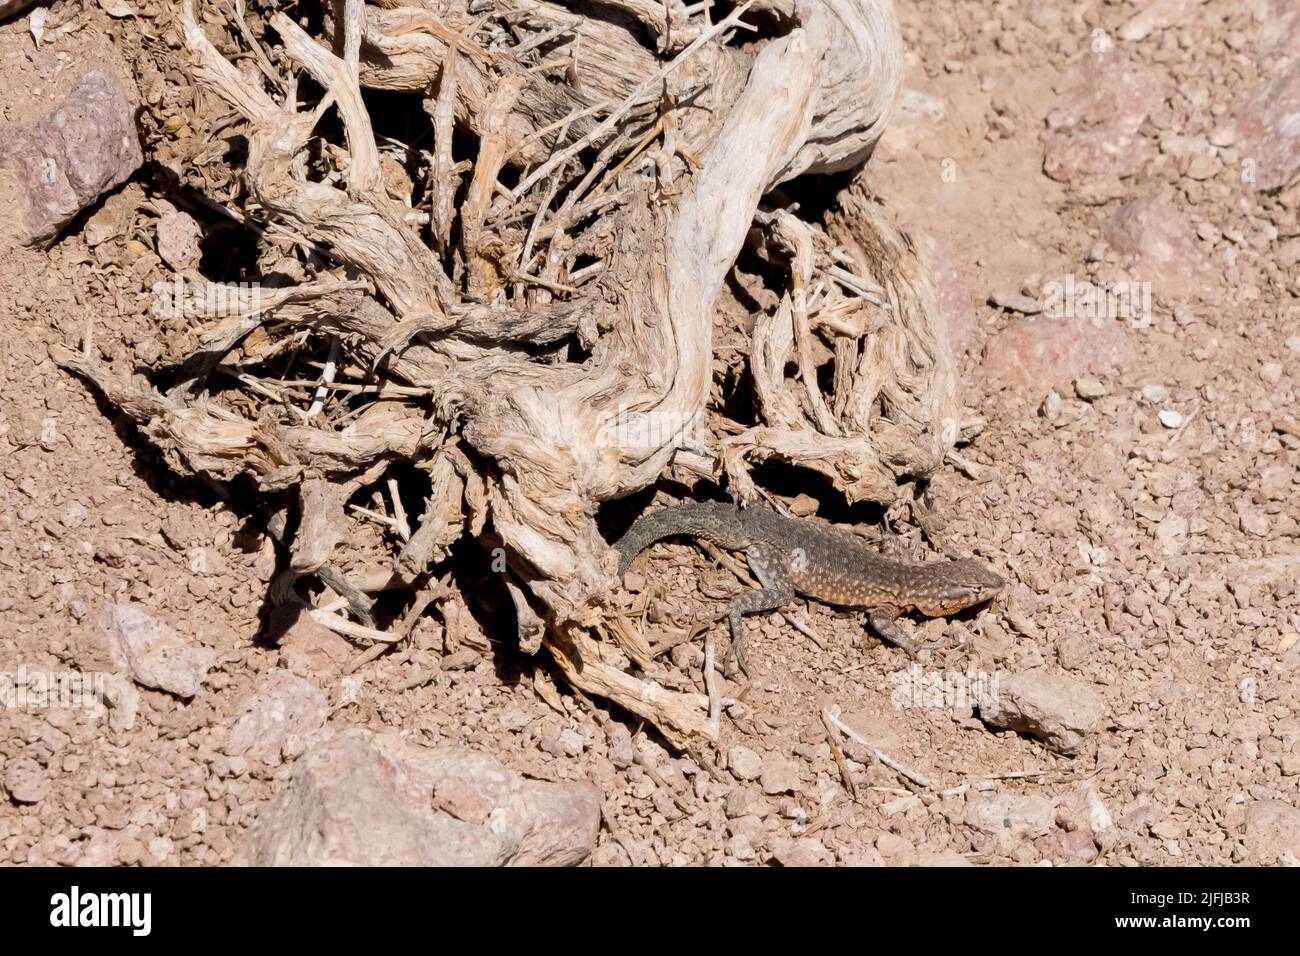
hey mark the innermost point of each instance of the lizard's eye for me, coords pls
(966, 596)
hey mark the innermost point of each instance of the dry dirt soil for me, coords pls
(1135, 482)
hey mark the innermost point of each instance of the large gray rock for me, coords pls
(1269, 130)
(64, 161)
(1058, 710)
(362, 800)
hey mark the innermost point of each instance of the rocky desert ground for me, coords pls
(1107, 192)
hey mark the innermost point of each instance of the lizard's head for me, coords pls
(958, 585)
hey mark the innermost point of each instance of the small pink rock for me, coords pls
(281, 705)
(779, 775)
(1041, 351)
(894, 849)
(1288, 254)
(179, 239)
(1203, 166)
(1157, 238)
(1069, 847)
(306, 647)
(25, 780)
(1094, 142)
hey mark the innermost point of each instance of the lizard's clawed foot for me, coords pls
(912, 648)
(883, 623)
(736, 664)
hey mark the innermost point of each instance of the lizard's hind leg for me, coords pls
(768, 564)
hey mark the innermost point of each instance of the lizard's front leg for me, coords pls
(768, 564)
(884, 622)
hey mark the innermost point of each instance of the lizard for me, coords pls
(814, 558)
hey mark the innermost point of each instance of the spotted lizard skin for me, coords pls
(811, 557)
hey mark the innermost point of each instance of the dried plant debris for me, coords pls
(493, 326)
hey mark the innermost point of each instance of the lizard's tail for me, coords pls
(714, 520)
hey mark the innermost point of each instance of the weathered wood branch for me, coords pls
(533, 326)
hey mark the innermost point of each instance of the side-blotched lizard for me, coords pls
(792, 556)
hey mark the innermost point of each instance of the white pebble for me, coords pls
(1171, 419)
(1089, 388)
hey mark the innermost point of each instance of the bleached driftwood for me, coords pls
(537, 332)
